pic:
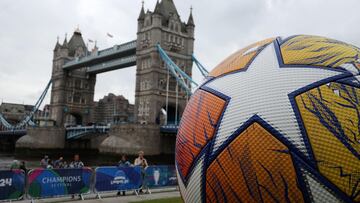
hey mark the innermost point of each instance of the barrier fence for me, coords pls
(12, 184)
(108, 179)
(44, 183)
(160, 176)
(48, 183)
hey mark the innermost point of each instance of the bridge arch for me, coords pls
(173, 114)
(73, 119)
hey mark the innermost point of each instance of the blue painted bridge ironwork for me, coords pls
(73, 133)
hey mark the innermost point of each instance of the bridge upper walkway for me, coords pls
(116, 57)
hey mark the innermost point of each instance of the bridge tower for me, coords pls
(72, 92)
(153, 89)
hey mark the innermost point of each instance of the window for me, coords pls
(69, 98)
(77, 84)
(147, 107)
(171, 26)
(77, 98)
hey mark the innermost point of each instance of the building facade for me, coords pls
(113, 109)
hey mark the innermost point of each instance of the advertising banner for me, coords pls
(58, 182)
(12, 184)
(160, 176)
(117, 178)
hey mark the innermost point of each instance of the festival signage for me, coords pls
(12, 184)
(58, 182)
(160, 176)
(117, 178)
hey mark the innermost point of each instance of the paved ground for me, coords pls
(111, 197)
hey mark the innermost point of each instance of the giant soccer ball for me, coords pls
(277, 121)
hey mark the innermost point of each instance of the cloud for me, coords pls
(29, 29)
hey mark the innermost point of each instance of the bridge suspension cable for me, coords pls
(28, 119)
(175, 71)
(180, 76)
(202, 69)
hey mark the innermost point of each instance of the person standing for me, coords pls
(60, 163)
(44, 162)
(15, 165)
(50, 164)
(141, 161)
(123, 163)
(23, 166)
(77, 163)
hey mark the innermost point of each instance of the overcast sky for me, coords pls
(29, 28)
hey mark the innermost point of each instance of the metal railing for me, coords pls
(80, 131)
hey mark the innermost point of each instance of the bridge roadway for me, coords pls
(21, 132)
(74, 133)
(116, 57)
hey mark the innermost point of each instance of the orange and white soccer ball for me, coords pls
(277, 121)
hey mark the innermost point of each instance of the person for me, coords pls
(141, 161)
(15, 165)
(123, 163)
(77, 163)
(44, 162)
(60, 163)
(23, 166)
(50, 164)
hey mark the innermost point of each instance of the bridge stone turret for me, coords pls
(162, 26)
(72, 92)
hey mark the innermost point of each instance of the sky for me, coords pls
(29, 30)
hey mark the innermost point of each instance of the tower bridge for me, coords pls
(161, 93)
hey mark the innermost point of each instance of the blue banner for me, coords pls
(58, 182)
(117, 178)
(160, 176)
(12, 184)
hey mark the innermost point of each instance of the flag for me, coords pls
(109, 35)
(91, 41)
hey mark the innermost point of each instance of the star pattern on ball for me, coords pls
(267, 90)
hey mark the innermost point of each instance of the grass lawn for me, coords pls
(169, 200)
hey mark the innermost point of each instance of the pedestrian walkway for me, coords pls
(111, 197)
